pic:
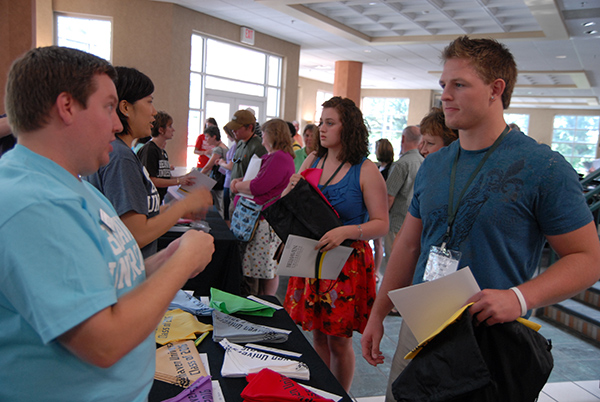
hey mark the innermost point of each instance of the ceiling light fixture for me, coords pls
(588, 24)
(561, 57)
(592, 32)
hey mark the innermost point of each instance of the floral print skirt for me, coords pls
(335, 307)
(258, 257)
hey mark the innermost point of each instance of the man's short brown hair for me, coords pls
(490, 58)
(434, 123)
(36, 79)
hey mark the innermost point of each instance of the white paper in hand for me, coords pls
(200, 181)
(426, 306)
(300, 259)
(252, 172)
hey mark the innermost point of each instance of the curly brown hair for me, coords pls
(490, 58)
(278, 132)
(434, 123)
(354, 135)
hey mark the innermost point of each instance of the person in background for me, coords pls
(155, 159)
(506, 206)
(298, 138)
(7, 139)
(138, 143)
(311, 140)
(125, 181)
(384, 152)
(436, 134)
(225, 166)
(400, 183)
(295, 144)
(219, 150)
(210, 122)
(243, 125)
(79, 305)
(202, 147)
(333, 310)
(258, 264)
(514, 126)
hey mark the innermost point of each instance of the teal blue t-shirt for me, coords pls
(64, 256)
(524, 192)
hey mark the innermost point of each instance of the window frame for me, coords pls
(58, 14)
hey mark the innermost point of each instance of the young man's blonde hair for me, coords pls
(490, 58)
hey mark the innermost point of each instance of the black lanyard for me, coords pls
(333, 175)
(451, 209)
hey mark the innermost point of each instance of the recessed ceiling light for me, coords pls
(561, 57)
(588, 24)
(367, 51)
(592, 32)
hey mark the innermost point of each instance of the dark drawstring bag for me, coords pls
(302, 212)
(467, 363)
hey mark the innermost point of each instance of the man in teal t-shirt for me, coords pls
(78, 304)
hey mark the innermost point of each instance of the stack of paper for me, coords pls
(240, 361)
(242, 331)
(179, 363)
(189, 303)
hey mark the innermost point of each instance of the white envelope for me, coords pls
(426, 306)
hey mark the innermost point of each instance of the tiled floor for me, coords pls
(575, 377)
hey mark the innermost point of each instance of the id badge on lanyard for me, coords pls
(443, 261)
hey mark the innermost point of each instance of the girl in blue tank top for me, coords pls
(333, 309)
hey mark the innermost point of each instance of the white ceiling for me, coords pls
(399, 41)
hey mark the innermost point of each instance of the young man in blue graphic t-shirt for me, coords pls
(506, 197)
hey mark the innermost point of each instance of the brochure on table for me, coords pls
(426, 306)
(300, 259)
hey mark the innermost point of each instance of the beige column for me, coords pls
(346, 83)
(17, 36)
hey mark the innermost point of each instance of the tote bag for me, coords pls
(245, 219)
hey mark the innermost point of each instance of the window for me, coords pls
(521, 120)
(92, 35)
(223, 74)
(386, 118)
(322, 96)
(576, 138)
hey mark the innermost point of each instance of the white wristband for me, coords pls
(522, 301)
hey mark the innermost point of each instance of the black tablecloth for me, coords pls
(224, 272)
(320, 376)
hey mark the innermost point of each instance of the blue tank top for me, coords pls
(346, 196)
